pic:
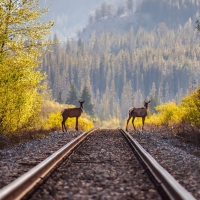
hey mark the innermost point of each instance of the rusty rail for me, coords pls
(24, 184)
(171, 187)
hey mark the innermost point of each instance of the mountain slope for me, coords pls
(118, 24)
(70, 15)
(148, 15)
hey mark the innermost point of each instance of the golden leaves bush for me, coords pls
(187, 111)
(55, 119)
(190, 107)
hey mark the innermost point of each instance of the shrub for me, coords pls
(55, 119)
(190, 106)
(168, 113)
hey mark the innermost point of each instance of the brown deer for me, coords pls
(138, 112)
(72, 112)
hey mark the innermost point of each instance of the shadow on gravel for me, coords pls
(12, 139)
(183, 135)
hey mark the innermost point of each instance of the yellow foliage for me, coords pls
(168, 113)
(55, 119)
(51, 117)
(111, 123)
(22, 42)
(20, 100)
(49, 107)
(190, 107)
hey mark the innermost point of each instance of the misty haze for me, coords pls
(72, 16)
(125, 55)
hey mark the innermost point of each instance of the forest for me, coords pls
(172, 13)
(123, 71)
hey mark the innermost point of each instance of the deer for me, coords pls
(138, 112)
(72, 112)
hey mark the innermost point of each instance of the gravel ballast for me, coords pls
(103, 167)
(21, 158)
(180, 159)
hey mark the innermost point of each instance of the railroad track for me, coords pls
(99, 164)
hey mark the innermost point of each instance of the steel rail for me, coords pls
(25, 183)
(171, 187)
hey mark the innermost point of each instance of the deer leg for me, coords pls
(143, 119)
(63, 125)
(77, 123)
(133, 123)
(128, 122)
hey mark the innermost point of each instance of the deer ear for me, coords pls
(149, 102)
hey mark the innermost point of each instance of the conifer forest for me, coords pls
(161, 63)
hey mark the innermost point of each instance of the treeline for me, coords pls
(108, 10)
(172, 13)
(123, 71)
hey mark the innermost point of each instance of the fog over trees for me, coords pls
(159, 63)
(71, 15)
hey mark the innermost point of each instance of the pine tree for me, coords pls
(98, 15)
(110, 10)
(198, 25)
(103, 10)
(88, 105)
(167, 92)
(121, 9)
(153, 104)
(59, 100)
(130, 5)
(91, 19)
(73, 95)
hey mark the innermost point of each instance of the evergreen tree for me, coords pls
(153, 104)
(73, 95)
(198, 25)
(130, 5)
(59, 99)
(91, 19)
(98, 15)
(121, 9)
(103, 10)
(110, 10)
(88, 105)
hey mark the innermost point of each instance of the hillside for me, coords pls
(71, 15)
(118, 24)
(148, 14)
